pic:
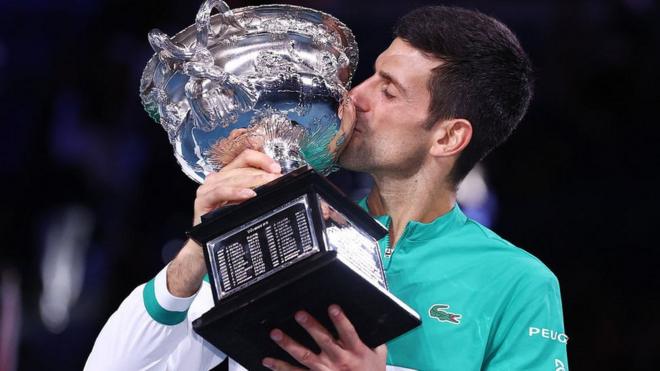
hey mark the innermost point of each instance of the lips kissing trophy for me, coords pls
(272, 78)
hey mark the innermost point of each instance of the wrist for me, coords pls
(192, 250)
(162, 306)
(186, 271)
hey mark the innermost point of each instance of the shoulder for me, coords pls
(518, 285)
(505, 258)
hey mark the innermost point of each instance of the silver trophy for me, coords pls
(272, 78)
(273, 74)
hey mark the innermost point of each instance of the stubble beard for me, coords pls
(356, 157)
(365, 157)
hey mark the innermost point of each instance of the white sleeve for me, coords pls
(144, 331)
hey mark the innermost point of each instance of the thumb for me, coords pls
(381, 350)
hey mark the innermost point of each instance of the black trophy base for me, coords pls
(240, 325)
(276, 253)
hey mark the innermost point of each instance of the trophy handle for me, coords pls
(203, 21)
(166, 49)
(211, 91)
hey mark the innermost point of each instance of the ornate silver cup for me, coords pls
(269, 76)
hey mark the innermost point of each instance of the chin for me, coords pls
(347, 161)
(356, 155)
(353, 162)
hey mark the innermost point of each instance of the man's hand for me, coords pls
(346, 353)
(233, 184)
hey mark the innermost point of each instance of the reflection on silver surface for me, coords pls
(252, 68)
(354, 247)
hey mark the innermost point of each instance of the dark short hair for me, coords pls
(486, 77)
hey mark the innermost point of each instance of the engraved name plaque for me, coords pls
(260, 248)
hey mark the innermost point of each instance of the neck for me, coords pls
(421, 197)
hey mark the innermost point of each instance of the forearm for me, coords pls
(186, 271)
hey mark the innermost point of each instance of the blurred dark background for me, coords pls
(94, 203)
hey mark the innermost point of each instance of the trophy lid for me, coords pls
(237, 69)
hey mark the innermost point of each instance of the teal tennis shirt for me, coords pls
(485, 304)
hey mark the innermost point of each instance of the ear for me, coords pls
(450, 137)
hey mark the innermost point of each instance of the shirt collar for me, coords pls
(418, 231)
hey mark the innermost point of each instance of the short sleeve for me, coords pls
(529, 331)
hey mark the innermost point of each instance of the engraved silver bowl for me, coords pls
(277, 73)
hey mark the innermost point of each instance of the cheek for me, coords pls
(402, 112)
(396, 141)
(401, 120)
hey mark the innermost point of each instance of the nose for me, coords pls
(359, 97)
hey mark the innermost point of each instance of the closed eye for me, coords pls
(385, 92)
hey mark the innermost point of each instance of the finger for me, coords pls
(252, 158)
(225, 176)
(240, 178)
(321, 336)
(344, 327)
(381, 350)
(295, 349)
(256, 180)
(221, 195)
(276, 364)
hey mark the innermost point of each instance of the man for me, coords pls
(452, 86)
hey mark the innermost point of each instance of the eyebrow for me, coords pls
(393, 80)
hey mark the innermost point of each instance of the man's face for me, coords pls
(392, 109)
